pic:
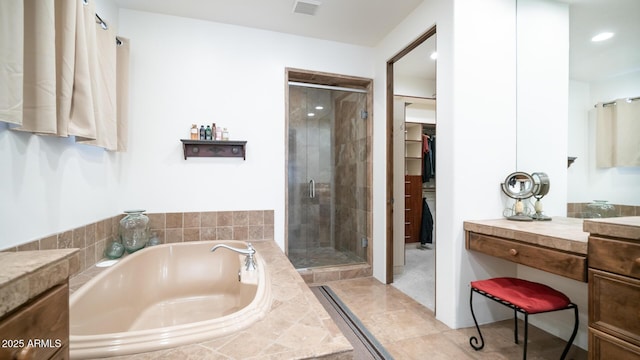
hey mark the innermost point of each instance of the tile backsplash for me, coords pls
(579, 210)
(91, 239)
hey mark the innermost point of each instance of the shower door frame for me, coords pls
(343, 81)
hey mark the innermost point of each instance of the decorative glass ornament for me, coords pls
(134, 230)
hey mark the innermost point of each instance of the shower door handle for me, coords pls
(312, 188)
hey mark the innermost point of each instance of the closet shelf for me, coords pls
(214, 148)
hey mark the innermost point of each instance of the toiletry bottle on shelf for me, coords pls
(194, 132)
(202, 132)
(214, 136)
(218, 133)
(225, 134)
(207, 133)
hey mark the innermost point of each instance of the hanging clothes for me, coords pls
(426, 227)
(428, 158)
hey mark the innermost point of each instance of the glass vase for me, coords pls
(134, 230)
(600, 209)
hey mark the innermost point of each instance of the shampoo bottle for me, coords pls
(194, 132)
(202, 132)
(207, 133)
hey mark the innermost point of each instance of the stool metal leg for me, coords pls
(473, 341)
(573, 335)
(515, 325)
(526, 335)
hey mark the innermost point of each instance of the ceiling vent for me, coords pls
(308, 7)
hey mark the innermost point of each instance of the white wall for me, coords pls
(414, 86)
(186, 71)
(50, 184)
(543, 110)
(476, 112)
(543, 91)
(586, 182)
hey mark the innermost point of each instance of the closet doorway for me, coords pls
(411, 147)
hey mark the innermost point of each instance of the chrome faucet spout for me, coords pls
(249, 260)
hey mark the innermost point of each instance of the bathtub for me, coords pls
(165, 296)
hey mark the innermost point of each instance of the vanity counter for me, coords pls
(26, 274)
(627, 227)
(558, 246)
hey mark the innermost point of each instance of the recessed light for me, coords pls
(602, 36)
(311, 114)
(434, 55)
(319, 107)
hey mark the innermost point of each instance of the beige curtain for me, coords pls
(627, 136)
(63, 78)
(605, 117)
(122, 92)
(11, 55)
(617, 134)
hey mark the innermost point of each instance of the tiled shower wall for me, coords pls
(91, 239)
(351, 174)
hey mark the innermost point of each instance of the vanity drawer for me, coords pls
(573, 266)
(614, 301)
(617, 256)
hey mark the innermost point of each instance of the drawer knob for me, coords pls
(637, 261)
(26, 353)
(513, 252)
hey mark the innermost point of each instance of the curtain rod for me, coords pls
(103, 24)
(614, 102)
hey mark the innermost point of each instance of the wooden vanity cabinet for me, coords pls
(570, 265)
(38, 329)
(614, 298)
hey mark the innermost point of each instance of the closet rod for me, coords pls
(328, 87)
(614, 102)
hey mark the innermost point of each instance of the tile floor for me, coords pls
(408, 330)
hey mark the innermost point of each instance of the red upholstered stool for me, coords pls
(522, 296)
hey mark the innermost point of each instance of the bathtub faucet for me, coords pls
(249, 261)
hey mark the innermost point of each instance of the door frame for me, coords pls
(390, 156)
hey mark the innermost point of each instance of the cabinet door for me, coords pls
(614, 301)
(39, 329)
(606, 347)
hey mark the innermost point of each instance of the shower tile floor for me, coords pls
(322, 256)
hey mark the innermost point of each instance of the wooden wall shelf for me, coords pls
(214, 148)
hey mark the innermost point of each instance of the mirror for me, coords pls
(541, 187)
(598, 72)
(519, 186)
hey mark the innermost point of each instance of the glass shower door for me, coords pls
(326, 177)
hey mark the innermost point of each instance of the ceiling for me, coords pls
(367, 22)
(359, 22)
(589, 61)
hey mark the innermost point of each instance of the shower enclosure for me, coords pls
(327, 169)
